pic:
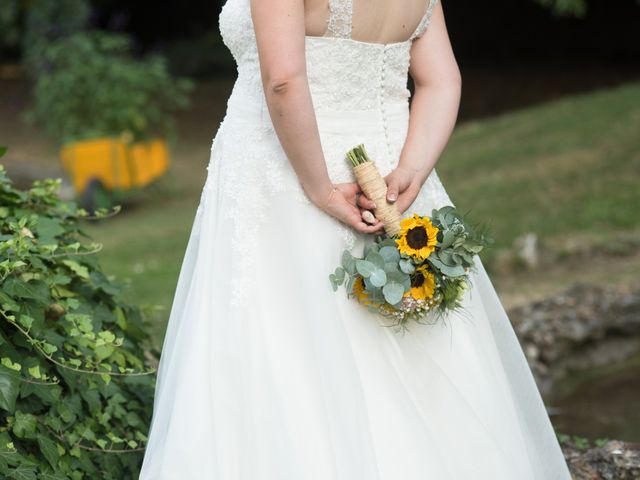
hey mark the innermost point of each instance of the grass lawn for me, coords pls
(560, 168)
(570, 168)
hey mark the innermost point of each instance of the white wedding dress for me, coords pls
(266, 373)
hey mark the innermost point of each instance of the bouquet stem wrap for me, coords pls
(375, 188)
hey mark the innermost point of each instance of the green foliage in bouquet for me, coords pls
(458, 242)
(75, 390)
(92, 86)
(420, 273)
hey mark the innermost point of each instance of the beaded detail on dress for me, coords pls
(426, 20)
(340, 19)
(360, 95)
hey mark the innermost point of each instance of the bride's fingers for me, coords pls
(355, 220)
(368, 217)
(365, 202)
(365, 228)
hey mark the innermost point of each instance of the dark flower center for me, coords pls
(417, 237)
(417, 280)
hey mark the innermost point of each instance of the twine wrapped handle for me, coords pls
(375, 187)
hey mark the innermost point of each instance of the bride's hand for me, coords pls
(344, 204)
(403, 186)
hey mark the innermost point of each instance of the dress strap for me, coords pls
(340, 19)
(426, 19)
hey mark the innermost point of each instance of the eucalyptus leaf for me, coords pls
(393, 292)
(350, 282)
(365, 267)
(391, 267)
(447, 239)
(387, 242)
(475, 248)
(375, 258)
(348, 262)
(390, 254)
(446, 269)
(370, 247)
(406, 265)
(376, 296)
(445, 257)
(339, 273)
(334, 282)
(378, 277)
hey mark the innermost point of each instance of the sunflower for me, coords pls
(358, 289)
(423, 284)
(418, 237)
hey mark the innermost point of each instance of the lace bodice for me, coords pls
(360, 95)
(344, 74)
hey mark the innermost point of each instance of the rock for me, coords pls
(526, 249)
(614, 460)
(584, 327)
(524, 252)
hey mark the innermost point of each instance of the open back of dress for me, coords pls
(375, 21)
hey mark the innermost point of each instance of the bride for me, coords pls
(266, 373)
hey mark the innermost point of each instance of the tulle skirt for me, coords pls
(299, 382)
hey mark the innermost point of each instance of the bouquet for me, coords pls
(419, 268)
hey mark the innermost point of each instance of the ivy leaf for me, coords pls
(47, 229)
(34, 371)
(49, 450)
(33, 289)
(26, 321)
(49, 394)
(23, 472)
(9, 388)
(25, 424)
(76, 268)
(103, 351)
(52, 476)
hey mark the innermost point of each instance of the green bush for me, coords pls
(46, 22)
(93, 86)
(76, 362)
(566, 8)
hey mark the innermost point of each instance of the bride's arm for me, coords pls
(280, 35)
(434, 109)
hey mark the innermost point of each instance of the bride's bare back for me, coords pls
(379, 21)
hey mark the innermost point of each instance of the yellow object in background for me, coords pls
(117, 164)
